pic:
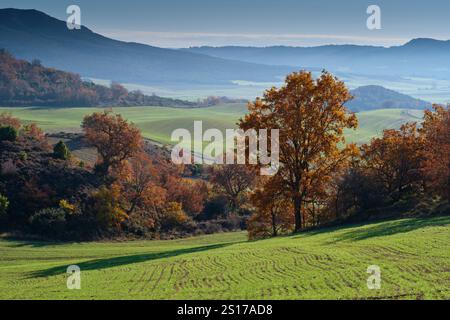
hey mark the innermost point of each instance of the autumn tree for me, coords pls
(234, 181)
(190, 193)
(7, 120)
(115, 139)
(272, 215)
(394, 159)
(436, 163)
(105, 206)
(32, 131)
(139, 186)
(311, 118)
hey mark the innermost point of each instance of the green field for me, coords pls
(157, 123)
(413, 255)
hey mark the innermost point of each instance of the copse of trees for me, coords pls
(135, 190)
(323, 180)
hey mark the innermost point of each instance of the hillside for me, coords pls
(31, 34)
(330, 264)
(30, 84)
(157, 123)
(368, 98)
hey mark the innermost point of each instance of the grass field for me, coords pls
(157, 123)
(413, 255)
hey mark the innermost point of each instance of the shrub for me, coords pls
(215, 208)
(60, 151)
(174, 216)
(23, 155)
(50, 222)
(4, 203)
(8, 133)
(106, 208)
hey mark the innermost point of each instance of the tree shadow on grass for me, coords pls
(98, 264)
(380, 229)
(35, 244)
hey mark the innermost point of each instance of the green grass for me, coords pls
(157, 123)
(413, 254)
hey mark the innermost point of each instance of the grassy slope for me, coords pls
(413, 254)
(158, 123)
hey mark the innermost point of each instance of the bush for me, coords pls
(60, 151)
(215, 208)
(8, 133)
(4, 204)
(50, 222)
(174, 216)
(23, 155)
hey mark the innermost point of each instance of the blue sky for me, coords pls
(183, 23)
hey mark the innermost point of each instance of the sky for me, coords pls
(185, 23)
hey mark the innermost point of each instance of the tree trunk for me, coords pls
(298, 213)
(274, 225)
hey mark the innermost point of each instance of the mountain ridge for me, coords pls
(28, 34)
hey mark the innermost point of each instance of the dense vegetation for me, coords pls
(131, 191)
(30, 84)
(330, 264)
(323, 179)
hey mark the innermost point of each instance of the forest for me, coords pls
(133, 191)
(25, 83)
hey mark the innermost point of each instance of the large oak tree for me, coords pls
(116, 140)
(311, 118)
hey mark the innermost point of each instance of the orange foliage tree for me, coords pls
(115, 139)
(436, 165)
(311, 118)
(273, 214)
(394, 159)
(7, 120)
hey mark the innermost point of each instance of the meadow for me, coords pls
(157, 123)
(413, 255)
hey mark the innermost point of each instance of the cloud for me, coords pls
(187, 39)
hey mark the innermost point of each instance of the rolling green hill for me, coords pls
(413, 255)
(157, 123)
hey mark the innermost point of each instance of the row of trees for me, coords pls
(321, 177)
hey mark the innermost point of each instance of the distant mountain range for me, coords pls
(419, 57)
(31, 34)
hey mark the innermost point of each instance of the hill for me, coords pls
(419, 57)
(326, 264)
(368, 98)
(30, 84)
(157, 123)
(31, 34)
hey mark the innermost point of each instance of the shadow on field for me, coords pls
(387, 228)
(34, 244)
(99, 264)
